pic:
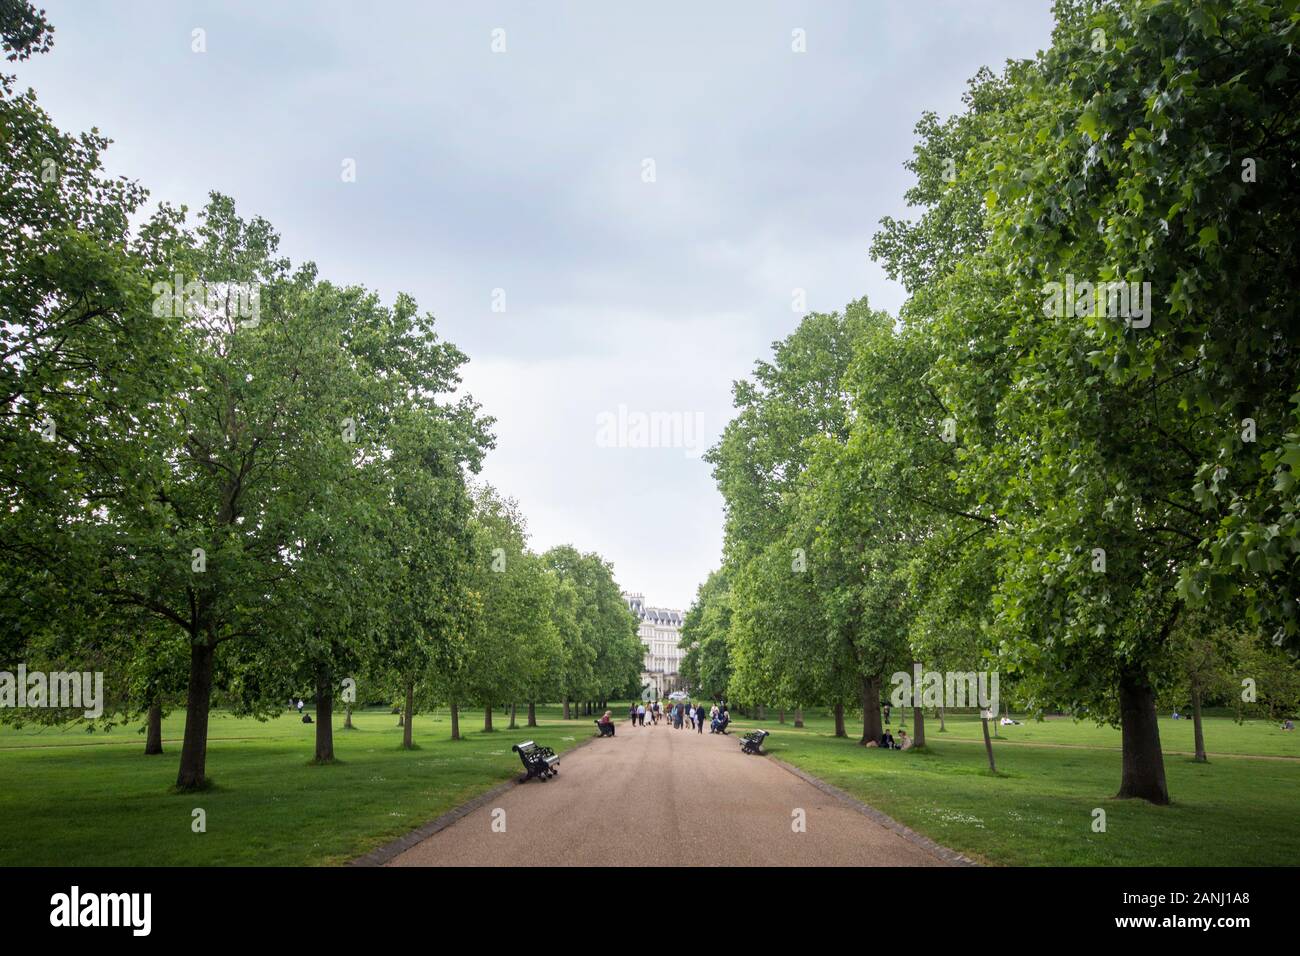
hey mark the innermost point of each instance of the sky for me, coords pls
(608, 206)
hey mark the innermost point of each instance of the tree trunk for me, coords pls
(988, 744)
(871, 726)
(324, 717)
(455, 719)
(839, 720)
(513, 725)
(347, 717)
(780, 716)
(798, 716)
(1144, 764)
(487, 719)
(566, 708)
(1198, 731)
(532, 713)
(918, 729)
(408, 712)
(943, 727)
(760, 712)
(194, 749)
(153, 732)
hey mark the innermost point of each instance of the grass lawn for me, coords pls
(72, 798)
(1039, 808)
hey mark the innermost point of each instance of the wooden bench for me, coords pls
(752, 742)
(538, 761)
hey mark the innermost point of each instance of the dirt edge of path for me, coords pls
(907, 833)
(389, 851)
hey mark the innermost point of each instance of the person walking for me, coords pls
(640, 714)
(699, 718)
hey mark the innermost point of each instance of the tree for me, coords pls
(1119, 170)
(514, 652)
(433, 604)
(602, 654)
(89, 375)
(1201, 647)
(23, 30)
(794, 408)
(706, 663)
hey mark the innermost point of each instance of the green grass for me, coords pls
(1222, 736)
(72, 798)
(1039, 807)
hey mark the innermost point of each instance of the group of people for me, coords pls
(889, 742)
(681, 715)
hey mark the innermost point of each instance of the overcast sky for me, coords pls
(518, 179)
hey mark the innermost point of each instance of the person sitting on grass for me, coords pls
(887, 740)
(904, 741)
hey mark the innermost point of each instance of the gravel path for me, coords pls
(657, 796)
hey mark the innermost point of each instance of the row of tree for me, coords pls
(225, 478)
(1072, 455)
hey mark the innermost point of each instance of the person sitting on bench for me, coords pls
(720, 722)
(606, 725)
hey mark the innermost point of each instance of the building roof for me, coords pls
(669, 617)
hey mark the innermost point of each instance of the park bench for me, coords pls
(752, 742)
(538, 761)
(606, 730)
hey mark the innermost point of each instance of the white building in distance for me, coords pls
(659, 629)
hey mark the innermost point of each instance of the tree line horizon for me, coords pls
(1102, 506)
(229, 481)
(1095, 497)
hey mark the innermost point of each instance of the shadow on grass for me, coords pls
(207, 786)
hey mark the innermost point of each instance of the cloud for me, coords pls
(522, 172)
